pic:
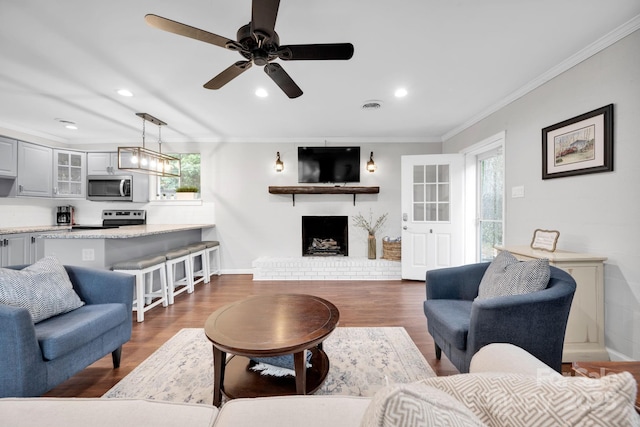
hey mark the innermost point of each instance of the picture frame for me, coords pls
(580, 145)
(545, 240)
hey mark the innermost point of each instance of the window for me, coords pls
(431, 193)
(190, 177)
(490, 189)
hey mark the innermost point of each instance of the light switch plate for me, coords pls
(517, 191)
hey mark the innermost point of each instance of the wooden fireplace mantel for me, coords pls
(321, 189)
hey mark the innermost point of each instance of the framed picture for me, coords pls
(545, 240)
(581, 145)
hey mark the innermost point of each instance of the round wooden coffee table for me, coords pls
(265, 326)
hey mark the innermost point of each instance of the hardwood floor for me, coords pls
(361, 303)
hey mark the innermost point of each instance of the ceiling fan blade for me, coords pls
(316, 51)
(263, 16)
(186, 30)
(227, 75)
(282, 79)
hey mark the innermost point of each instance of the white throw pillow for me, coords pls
(416, 405)
(499, 399)
(508, 276)
(43, 288)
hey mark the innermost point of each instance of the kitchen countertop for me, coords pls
(34, 229)
(123, 232)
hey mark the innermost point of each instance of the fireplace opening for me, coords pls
(325, 236)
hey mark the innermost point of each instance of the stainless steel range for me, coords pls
(124, 217)
(113, 218)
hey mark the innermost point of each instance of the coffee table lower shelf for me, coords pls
(240, 381)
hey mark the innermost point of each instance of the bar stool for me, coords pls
(213, 248)
(198, 250)
(144, 268)
(177, 286)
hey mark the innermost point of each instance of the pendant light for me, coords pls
(143, 160)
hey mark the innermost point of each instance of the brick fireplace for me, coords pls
(330, 261)
(325, 236)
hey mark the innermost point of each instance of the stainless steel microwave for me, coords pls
(110, 188)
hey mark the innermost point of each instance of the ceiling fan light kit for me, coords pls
(143, 160)
(259, 44)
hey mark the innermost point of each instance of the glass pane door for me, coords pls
(431, 193)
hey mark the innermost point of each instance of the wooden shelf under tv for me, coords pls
(321, 189)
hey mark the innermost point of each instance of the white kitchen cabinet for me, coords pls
(20, 248)
(584, 337)
(103, 163)
(8, 157)
(35, 170)
(69, 174)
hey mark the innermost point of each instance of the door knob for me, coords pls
(405, 227)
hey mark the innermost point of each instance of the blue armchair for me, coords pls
(461, 326)
(35, 358)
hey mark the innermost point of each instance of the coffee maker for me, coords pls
(64, 215)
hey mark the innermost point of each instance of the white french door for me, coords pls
(432, 213)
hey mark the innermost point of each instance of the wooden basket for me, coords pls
(391, 250)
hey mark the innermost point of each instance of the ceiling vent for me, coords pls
(372, 105)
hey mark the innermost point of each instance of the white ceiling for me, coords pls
(457, 58)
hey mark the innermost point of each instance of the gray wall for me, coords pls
(597, 213)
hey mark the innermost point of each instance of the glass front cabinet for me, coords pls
(70, 171)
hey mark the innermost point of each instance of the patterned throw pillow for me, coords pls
(508, 276)
(43, 288)
(416, 405)
(500, 399)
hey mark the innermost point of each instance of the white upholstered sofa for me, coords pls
(493, 366)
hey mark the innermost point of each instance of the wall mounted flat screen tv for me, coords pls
(328, 164)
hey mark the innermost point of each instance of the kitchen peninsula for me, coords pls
(104, 247)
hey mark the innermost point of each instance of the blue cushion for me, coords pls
(450, 318)
(63, 334)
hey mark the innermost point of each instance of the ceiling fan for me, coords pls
(259, 44)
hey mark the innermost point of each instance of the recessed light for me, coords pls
(125, 92)
(400, 92)
(68, 124)
(261, 93)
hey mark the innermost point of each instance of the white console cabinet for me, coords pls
(584, 338)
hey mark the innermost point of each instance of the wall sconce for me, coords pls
(371, 166)
(279, 164)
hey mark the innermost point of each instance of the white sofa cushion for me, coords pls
(63, 412)
(500, 399)
(508, 358)
(416, 404)
(293, 411)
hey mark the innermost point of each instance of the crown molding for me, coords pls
(599, 45)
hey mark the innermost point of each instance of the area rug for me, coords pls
(362, 360)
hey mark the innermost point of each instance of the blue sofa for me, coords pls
(34, 358)
(461, 326)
